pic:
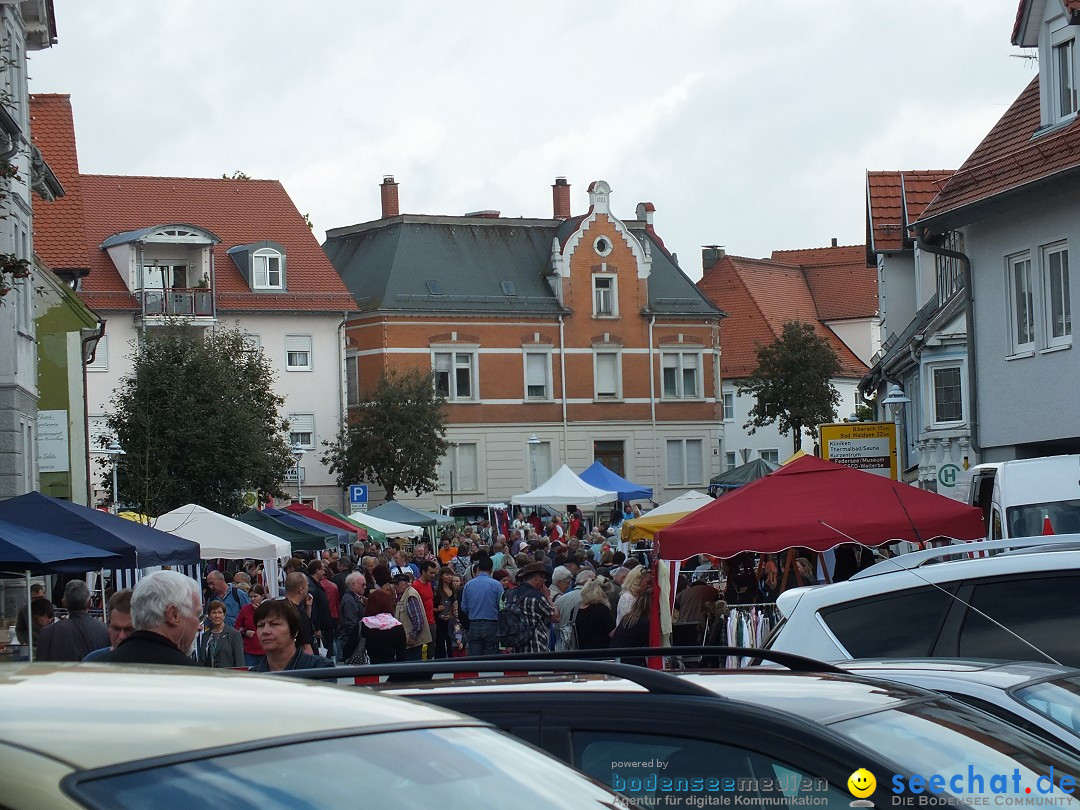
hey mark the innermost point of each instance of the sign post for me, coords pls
(866, 446)
(358, 498)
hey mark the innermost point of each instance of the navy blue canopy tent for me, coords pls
(136, 545)
(601, 477)
(28, 550)
(337, 537)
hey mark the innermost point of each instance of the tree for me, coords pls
(198, 419)
(398, 439)
(791, 383)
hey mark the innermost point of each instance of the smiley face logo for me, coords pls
(861, 783)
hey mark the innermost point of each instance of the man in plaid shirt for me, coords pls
(535, 606)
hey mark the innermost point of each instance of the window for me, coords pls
(455, 375)
(771, 456)
(298, 352)
(266, 270)
(537, 375)
(729, 407)
(729, 461)
(302, 430)
(949, 269)
(923, 610)
(352, 380)
(685, 462)
(948, 402)
(612, 454)
(539, 461)
(1064, 82)
(459, 469)
(605, 299)
(1021, 305)
(252, 343)
(681, 376)
(101, 356)
(1055, 278)
(607, 375)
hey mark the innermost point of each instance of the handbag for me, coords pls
(359, 656)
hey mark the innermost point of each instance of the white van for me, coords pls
(1018, 496)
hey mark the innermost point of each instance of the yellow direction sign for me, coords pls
(867, 446)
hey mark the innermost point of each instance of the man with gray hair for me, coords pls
(166, 611)
(73, 638)
(352, 611)
(567, 604)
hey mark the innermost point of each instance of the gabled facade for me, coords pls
(146, 251)
(24, 26)
(924, 334)
(830, 288)
(580, 331)
(1015, 202)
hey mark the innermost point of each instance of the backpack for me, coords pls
(513, 631)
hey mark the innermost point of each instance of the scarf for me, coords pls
(381, 621)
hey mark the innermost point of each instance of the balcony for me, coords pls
(194, 302)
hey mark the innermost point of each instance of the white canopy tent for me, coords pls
(221, 536)
(684, 504)
(565, 487)
(389, 528)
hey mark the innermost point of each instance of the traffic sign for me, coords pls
(358, 494)
(867, 446)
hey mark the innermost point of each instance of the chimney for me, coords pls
(560, 196)
(710, 255)
(834, 241)
(645, 211)
(389, 193)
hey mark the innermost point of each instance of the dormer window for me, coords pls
(266, 270)
(1064, 79)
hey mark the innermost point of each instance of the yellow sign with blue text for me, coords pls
(866, 446)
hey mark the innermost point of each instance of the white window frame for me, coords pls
(1050, 318)
(252, 343)
(612, 297)
(617, 354)
(1019, 263)
(931, 392)
(680, 368)
(455, 363)
(1063, 81)
(299, 344)
(770, 454)
(452, 461)
(299, 425)
(101, 355)
(728, 398)
(544, 355)
(262, 275)
(684, 477)
(731, 460)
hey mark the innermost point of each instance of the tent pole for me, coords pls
(101, 581)
(29, 620)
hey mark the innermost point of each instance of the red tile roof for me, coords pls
(59, 233)
(239, 212)
(841, 284)
(1009, 158)
(894, 200)
(760, 296)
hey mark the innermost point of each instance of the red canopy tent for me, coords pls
(814, 503)
(304, 510)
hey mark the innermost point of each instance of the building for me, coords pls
(581, 331)
(924, 332)
(24, 26)
(829, 288)
(146, 251)
(1012, 211)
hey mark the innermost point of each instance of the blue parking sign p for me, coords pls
(358, 493)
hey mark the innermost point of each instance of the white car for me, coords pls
(1018, 604)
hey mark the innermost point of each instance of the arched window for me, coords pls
(266, 270)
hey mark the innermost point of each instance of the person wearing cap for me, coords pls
(480, 604)
(410, 612)
(534, 603)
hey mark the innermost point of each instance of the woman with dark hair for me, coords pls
(245, 623)
(384, 634)
(633, 630)
(221, 646)
(447, 610)
(278, 625)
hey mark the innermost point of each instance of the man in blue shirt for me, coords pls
(480, 602)
(232, 597)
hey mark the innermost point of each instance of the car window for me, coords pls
(903, 624)
(1042, 610)
(1058, 700)
(1002, 712)
(451, 769)
(661, 771)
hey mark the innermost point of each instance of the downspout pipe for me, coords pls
(93, 337)
(562, 372)
(969, 323)
(343, 405)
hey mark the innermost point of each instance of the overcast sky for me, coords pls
(748, 123)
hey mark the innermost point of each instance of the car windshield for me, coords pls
(1027, 520)
(1058, 700)
(972, 752)
(466, 768)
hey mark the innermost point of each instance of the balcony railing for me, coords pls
(197, 302)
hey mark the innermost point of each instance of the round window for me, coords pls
(602, 245)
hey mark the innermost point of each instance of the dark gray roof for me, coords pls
(671, 292)
(134, 236)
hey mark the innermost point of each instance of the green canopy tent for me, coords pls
(373, 534)
(741, 476)
(306, 539)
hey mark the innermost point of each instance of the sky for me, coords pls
(748, 124)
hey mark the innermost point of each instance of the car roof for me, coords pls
(95, 715)
(997, 674)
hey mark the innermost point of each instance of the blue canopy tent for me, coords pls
(136, 545)
(601, 477)
(339, 536)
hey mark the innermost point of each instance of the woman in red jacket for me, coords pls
(245, 623)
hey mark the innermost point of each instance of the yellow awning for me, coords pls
(791, 458)
(644, 527)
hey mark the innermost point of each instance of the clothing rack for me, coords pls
(741, 626)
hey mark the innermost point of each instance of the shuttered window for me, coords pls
(298, 353)
(607, 375)
(536, 376)
(101, 356)
(302, 430)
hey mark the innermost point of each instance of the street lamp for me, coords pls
(298, 453)
(533, 443)
(896, 401)
(115, 451)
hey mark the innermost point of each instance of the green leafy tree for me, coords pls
(199, 422)
(791, 384)
(397, 440)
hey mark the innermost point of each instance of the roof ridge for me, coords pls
(806, 250)
(178, 177)
(761, 312)
(50, 95)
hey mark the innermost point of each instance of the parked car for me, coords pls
(120, 737)
(762, 738)
(1018, 496)
(1019, 604)
(1041, 698)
